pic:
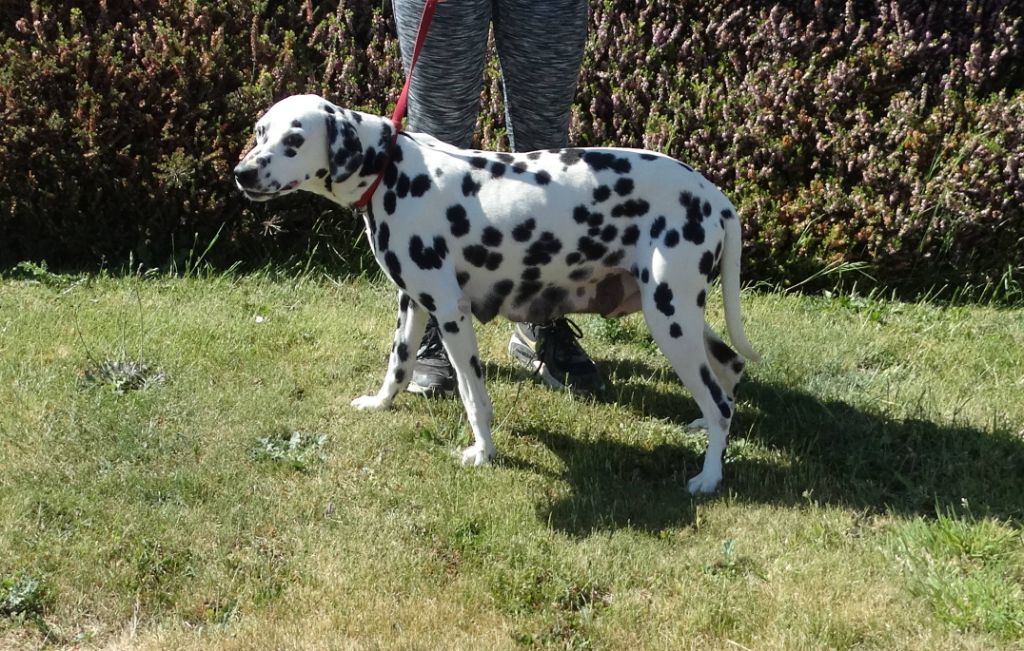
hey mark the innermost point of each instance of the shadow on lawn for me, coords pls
(834, 453)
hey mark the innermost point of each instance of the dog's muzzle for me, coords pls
(247, 178)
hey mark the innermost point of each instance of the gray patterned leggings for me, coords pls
(540, 49)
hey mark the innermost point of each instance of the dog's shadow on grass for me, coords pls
(790, 448)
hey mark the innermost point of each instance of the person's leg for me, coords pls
(444, 100)
(540, 49)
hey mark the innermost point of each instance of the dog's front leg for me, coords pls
(460, 343)
(412, 321)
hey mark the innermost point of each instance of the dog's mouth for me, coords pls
(253, 194)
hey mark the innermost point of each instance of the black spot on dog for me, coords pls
(420, 185)
(671, 238)
(608, 233)
(631, 208)
(451, 326)
(383, 237)
(290, 153)
(726, 213)
(492, 237)
(391, 175)
(402, 187)
(693, 232)
(542, 250)
(716, 391)
(645, 276)
(296, 124)
(580, 274)
(293, 140)
(663, 299)
(519, 167)
(403, 304)
(470, 188)
(573, 258)
(478, 162)
(595, 219)
(570, 156)
(707, 264)
(428, 257)
(542, 178)
(591, 249)
(554, 295)
(497, 170)
(402, 350)
(457, 218)
(475, 363)
(675, 331)
(524, 230)
(614, 259)
(630, 235)
(427, 301)
(527, 290)
(506, 158)
(601, 193)
(390, 202)
(623, 186)
(721, 351)
(399, 375)
(321, 173)
(605, 160)
(657, 227)
(394, 268)
(702, 298)
(580, 214)
(533, 155)
(475, 254)
(531, 273)
(648, 157)
(462, 278)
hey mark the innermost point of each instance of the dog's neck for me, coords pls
(358, 148)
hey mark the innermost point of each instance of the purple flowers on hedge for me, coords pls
(888, 133)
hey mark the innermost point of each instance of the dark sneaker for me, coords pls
(552, 351)
(433, 374)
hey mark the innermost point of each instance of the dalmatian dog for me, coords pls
(529, 236)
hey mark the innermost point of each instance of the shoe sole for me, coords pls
(431, 391)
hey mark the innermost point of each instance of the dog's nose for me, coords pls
(246, 175)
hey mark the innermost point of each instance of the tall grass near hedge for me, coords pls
(885, 136)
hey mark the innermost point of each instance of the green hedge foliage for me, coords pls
(887, 133)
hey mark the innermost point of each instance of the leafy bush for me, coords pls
(887, 133)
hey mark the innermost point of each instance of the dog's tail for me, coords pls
(731, 284)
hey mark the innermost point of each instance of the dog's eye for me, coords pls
(294, 140)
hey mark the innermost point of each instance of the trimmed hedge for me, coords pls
(887, 133)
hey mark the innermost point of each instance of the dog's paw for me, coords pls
(704, 483)
(699, 424)
(371, 403)
(477, 455)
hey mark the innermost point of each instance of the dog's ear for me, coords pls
(344, 149)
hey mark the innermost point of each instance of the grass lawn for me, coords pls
(873, 494)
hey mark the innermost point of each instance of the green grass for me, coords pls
(225, 495)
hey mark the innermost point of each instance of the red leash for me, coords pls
(403, 99)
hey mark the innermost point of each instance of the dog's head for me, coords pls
(302, 143)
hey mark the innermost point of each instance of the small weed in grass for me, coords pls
(123, 375)
(22, 597)
(295, 449)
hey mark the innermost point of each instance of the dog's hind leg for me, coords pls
(459, 342)
(674, 311)
(412, 321)
(726, 364)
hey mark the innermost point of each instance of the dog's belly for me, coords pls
(612, 294)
